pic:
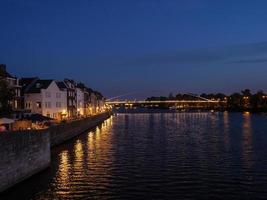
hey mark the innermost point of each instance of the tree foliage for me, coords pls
(243, 101)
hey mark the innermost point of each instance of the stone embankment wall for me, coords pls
(25, 153)
(66, 131)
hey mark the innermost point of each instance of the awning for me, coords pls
(6, 121)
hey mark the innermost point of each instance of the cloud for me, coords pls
(263, 60)
(242, 53)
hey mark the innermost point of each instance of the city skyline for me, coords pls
(120, 47)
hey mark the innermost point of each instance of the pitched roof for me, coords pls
(26, 82)
(98, 94)
(38, 85)
(61, 85)
(81, 85)
(70, 84)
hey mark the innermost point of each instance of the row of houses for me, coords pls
(54, 99)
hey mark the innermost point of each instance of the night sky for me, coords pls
(152, 46)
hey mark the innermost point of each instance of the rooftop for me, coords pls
(38, 85)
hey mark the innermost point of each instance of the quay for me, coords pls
(26, 153)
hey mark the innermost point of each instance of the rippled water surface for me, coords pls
(159, 156)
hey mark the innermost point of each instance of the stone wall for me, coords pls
(65, 131)
(23, 154)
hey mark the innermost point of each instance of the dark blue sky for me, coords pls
(138, 45)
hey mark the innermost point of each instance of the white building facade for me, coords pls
(46, 98)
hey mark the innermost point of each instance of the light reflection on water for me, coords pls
(159, 156)
(63, 174)
(247, 142)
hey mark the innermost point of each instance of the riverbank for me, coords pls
(25, 153)
(65, 131)
(158, 156)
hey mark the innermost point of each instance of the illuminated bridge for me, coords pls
(199, 102)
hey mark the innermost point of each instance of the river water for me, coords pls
(158, 156)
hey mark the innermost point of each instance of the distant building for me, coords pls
(100, 101)
(13, 83)
(46, 98)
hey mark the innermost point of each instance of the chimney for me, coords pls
(2, 67)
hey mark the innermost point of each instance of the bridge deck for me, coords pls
(159, 102)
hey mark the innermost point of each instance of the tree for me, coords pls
(246, 92)
(171, 97)
(235, 101)
(258, 101)
(246, 100)
(6, 95)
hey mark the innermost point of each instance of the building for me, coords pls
(26, 83)
(71, 98)
(46, 98)
(93, 102)
(83, 100)
(100, 102)
(81, 107)
(89, 102)
(13, 83)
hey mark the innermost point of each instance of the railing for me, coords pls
(167, 101)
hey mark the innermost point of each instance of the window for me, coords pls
(47, 104)
(38, 104)
(16, 104)
(28, 105)
(58, 104)
(58, 95)
(48, 94)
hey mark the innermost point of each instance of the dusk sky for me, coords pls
(125, 46)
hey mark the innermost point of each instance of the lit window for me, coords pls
(38, 104)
